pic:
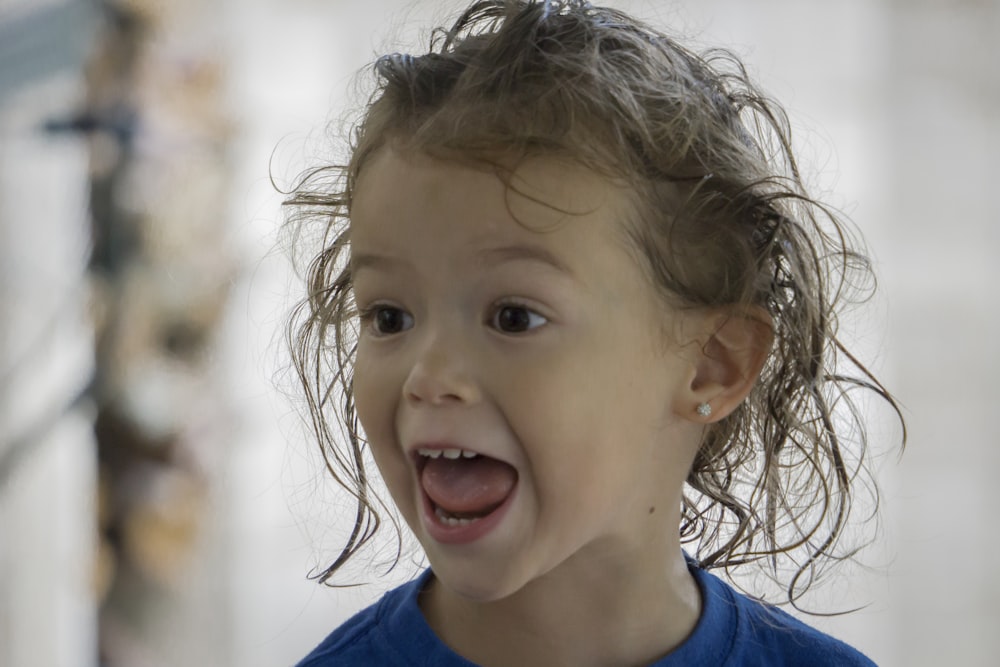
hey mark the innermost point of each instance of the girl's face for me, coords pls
(513, 329)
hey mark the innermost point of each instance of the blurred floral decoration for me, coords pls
(158, 138)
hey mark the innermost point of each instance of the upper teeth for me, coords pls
(447, 453)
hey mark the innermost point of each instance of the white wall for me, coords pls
(47, 490)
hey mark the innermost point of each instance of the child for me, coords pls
(574, 296)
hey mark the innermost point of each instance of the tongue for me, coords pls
(467, 486)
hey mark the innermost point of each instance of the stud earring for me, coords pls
(704, 409)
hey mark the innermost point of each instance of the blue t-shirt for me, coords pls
(733, 631)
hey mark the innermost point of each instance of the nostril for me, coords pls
(441, 375)
(438, 384)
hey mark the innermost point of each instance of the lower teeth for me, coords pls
(449, 520)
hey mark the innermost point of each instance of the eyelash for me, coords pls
(369, 314)
(499, 307)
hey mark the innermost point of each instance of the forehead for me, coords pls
(400, 190)
(446, 226)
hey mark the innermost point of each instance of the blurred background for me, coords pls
(160, 503)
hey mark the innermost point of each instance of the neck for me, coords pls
(590, 611)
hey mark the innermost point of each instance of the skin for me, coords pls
(589, 397)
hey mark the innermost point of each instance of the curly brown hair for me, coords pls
(724, 221)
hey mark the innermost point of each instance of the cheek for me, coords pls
(585, 417)
(375, 401)
(366, 393)
(559, 409)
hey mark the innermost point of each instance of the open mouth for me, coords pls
(462, 486)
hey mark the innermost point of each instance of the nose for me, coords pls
(441, 374)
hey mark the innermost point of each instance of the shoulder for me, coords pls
(771, 631)
(349, 644)
(390, 633)
(353, 643)
(738, 631)
(364, 640)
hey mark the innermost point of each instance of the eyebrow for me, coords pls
(490, 256)
(521, 253)
(370, 261)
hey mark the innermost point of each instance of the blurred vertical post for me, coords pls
(104, 549)
(157, 137)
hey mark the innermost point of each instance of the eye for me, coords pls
(516, 318)
(386, 320)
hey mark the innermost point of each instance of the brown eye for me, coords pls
(386, 320)
(516, 319)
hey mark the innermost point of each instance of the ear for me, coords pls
(737, 343)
